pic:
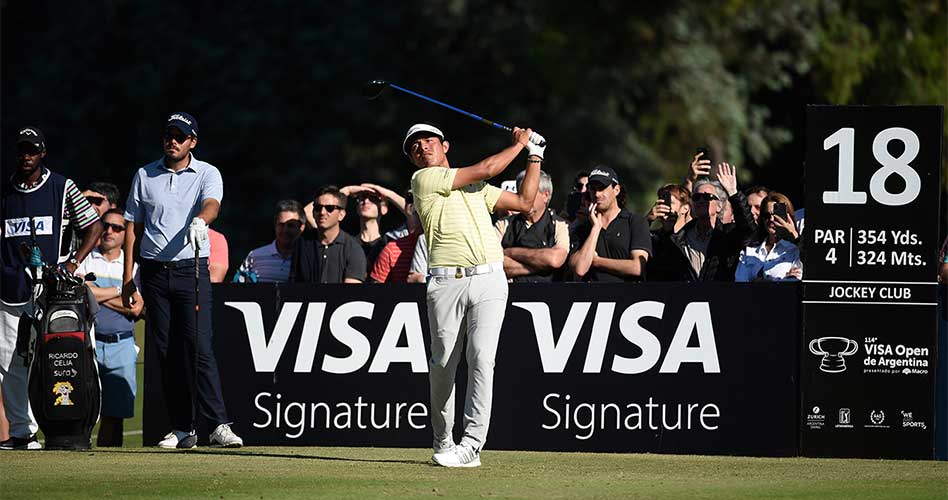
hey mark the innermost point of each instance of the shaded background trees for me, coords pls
(276, 87)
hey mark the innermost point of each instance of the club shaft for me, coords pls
(452, 108)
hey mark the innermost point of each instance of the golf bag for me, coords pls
(64, 387)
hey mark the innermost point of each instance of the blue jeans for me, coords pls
(168, 290)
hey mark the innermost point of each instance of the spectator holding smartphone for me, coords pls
(772, 256)
(706, 249)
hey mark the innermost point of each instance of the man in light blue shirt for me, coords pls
(170, 204)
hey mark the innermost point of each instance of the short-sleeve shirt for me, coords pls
(220, 253)
(457, 222)
(394, 262)
(314, 262)
(165, 202)
(419, 259)
(560, 231)
(625, 233)
(108, 274)
(267, 263)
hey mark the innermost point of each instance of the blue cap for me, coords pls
(183, 121)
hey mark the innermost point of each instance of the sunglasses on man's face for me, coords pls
(329, 208)
(704, 197)
(95, 200)
(176, 136)
(116, 228)
(292, 223)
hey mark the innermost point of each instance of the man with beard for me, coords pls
(36, 202)
(170, 205)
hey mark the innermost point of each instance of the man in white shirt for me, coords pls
(115, 347)
(271, 263)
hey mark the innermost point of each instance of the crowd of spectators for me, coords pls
(702, 229)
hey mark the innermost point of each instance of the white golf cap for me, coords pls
(420, 128)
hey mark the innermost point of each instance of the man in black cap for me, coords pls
(170, 205)
(613, 245)
(35, 207)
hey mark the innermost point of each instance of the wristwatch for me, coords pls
(72, 260)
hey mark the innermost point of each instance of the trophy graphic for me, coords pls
(833, 349)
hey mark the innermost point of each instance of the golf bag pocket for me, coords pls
(65, 353)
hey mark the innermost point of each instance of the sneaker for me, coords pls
(15, 443)
(179, 439)
(462, 456)
(444, 446)
(442, 449)
(224, 437)
(30, 443)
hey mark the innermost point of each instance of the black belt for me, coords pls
(175, 264)
(111, 338)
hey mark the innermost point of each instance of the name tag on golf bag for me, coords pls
(64, 381)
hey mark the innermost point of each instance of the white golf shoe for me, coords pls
(461, 456)
(178, 439)
(224, 437)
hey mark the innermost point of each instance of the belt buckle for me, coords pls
(458, 274)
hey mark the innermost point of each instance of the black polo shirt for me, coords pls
(314, 262)
(625, 233)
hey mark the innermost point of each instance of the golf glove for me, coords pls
(197, 233)
(536, 145)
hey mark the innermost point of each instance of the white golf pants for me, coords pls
(458, 308)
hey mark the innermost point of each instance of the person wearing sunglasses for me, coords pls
(115, 348)
(271, 263)
(706, 249)
(772, 254)
(36, 204)
(328, 254)
(170, 205)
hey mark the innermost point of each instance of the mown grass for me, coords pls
(274, 472)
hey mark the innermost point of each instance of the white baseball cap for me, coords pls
(420, 128)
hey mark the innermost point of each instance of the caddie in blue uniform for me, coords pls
(170, 204)
(52, 203)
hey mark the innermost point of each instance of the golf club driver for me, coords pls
(374, 89)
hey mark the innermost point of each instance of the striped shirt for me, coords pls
(267, 263)
(394, 262)
(456, 221)
(78, 211)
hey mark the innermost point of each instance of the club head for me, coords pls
(374, 88)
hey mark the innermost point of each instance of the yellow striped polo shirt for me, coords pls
(456, 222)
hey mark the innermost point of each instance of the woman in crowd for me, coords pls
(773, 254)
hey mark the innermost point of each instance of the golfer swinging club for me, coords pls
(467, 290)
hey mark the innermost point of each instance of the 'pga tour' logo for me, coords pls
(833, 349)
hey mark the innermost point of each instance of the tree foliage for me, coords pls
(276, 85)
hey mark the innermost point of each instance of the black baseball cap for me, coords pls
(183, 121)
(603, 175)
(32, 135)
